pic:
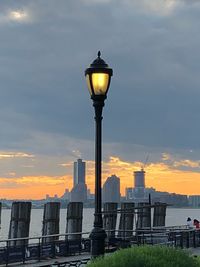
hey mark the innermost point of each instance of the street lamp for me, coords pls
(98, 77)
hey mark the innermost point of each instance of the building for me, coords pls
(111, 189)
(79, 190)
(79, 172)
(137, 193)
(79, 193)
(139, 178)
(194, 201)
(66, 195)
(90, 196)
(129, 194)
(139, 185)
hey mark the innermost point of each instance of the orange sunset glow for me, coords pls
(159, 175)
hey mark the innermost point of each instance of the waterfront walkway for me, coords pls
(77, 260)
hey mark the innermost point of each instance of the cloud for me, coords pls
(69, 164)
(159, 7)
(8, 155)
(19, 15)
(150, 67)
(165, 156)
(152, 104)
(187, 163)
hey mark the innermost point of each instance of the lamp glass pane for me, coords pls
(100, 83)
(88, 83)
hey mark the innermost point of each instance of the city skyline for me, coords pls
(155, 176)
(46, 114)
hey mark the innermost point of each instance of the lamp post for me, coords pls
(98, 77)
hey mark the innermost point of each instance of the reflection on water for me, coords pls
(174, 217)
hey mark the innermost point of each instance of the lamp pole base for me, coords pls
(97, 236)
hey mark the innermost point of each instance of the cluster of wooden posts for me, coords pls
(132, 217)
(21, 215)
(129, 213)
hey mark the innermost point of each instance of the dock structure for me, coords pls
(51, 218)
(126, 220)
(20, 222)
(144, 215)
(159, 214)
(20, 248)
(74, 220)
(110, 218)
(0, 213)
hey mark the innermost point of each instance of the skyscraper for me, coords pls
(79, 190)
(139, 181)
(111, 189)
(79, 172)
(139, 178)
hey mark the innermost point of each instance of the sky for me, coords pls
(152, 108)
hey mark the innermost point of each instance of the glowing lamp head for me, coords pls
(98, 77)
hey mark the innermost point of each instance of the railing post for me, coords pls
(7, 252)
(181, 240)
(39, 249)
(194, 239)
(175, 240)
(24, 248)
(188, 239)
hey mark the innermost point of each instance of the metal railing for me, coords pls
(38, 249)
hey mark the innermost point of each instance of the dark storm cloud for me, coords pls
(154, 51)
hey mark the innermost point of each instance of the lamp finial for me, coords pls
(99, 54)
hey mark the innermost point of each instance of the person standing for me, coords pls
(196, 223)
(189, 222)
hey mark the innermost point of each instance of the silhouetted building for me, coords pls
(79, 193)
(79, 172)
(90, 196)
(139, 185)
(111, 189)
(66, 195)
(194, 200)
(141, 194)
(129, 194)
(139, 178)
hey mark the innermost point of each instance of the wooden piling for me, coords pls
(110, 218)
(20, 222)
(159, 214)
(0, 213)
(126, 220)
(51, 217)
(74, 220)
(144, 215)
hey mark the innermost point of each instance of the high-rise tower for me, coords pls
(139, 178)
(139, 182)
(111, 189)
(79, 172)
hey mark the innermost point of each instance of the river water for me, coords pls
(173, 217)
